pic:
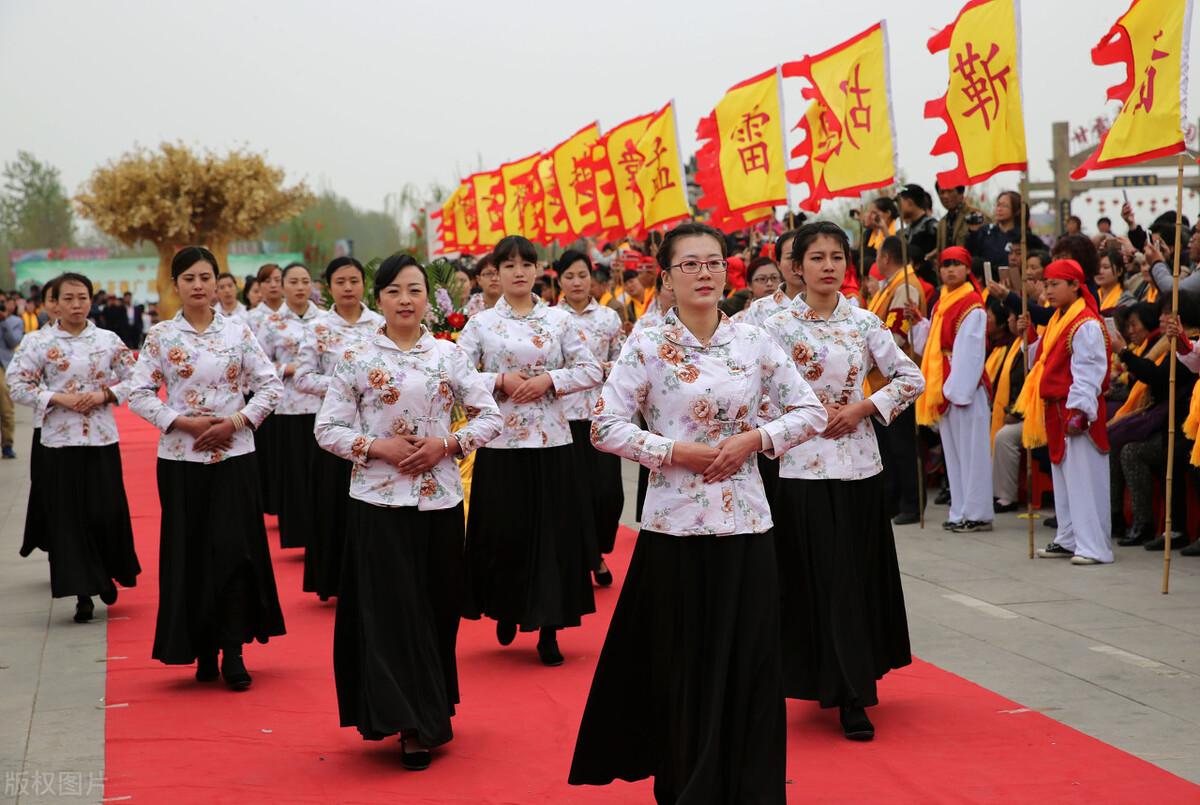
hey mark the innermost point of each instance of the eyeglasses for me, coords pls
(488, 275)
(765, 279)
(694, 266)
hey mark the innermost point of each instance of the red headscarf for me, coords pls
(737, 273)
(957, 254)
(1070, 270)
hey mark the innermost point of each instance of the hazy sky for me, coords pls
(362, 97)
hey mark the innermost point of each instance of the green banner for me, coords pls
(137, 275)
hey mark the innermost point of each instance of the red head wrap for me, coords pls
(956, 254)
(1070, 270)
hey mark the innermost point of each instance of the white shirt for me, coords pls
(282, 333)
(57, 361)
(601, 327)
(690, 392)
(326, 341)
(205, 374)
(546, 340)
(835, 355)
(765, 307)
(239, 312)
(966, 359)
(257, 317)
(653, 317)
(379, 390)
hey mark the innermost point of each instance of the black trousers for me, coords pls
(898, 448)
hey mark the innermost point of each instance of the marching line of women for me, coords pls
(736, 598)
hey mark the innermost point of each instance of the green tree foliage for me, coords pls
(35, 212)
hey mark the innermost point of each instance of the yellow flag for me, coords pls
(519, 179)
(1150, 39)
(750, 133)
(489, 206)
(573, 174)
(624, 161)
(660, 177)
(850, 142)
(466, 232)
(985, 125)
(554, 217)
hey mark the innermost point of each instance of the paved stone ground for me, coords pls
(1098, 648)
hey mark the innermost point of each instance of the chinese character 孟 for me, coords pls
(662, 174)
(1145, 100)
(753, 151)
(858, 116)
(981, 82)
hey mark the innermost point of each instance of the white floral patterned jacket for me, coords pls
(325, 343)
(282, 334)
(605, 336)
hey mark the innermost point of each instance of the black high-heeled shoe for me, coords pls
(233, 669)
(547, 648)
(84, 608)
(855, 723)
(604, 579)
(206, 667)
(418, 760)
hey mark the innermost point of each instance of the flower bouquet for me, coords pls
(444, 316)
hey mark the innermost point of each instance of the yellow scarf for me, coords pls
(1111, 297)
(1191, 425)
(994, 361)
(1030, 403)
(929, 404)
(1152, 294)
(1136, 401)
(876, 239)
(1002, 383)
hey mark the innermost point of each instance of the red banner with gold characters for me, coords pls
(741, 167)
(624, 161)
(489, 207)
(660, 178)
(985, 124)
(466, 232)
(1151, 40)
(522, 197)
(850, 142)
(572, 159)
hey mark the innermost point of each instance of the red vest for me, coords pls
(950, 324)
(1056, 385)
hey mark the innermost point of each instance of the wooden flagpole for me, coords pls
(1030, 517)
(1166, 582)
(916, 427)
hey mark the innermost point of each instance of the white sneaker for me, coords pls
(1085, 560)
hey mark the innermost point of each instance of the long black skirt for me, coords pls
(844, 624)
(527, 556)
(397, 621)
(768, 470)
(295, 448)
(264, 451)
(330, 492)
(35, 520)
(599, 474)
(86, 520)
(688, 688)
(216, 586)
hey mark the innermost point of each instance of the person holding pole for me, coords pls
(1063, 405)
(953, 349)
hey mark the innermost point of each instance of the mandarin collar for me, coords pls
(88, 327)
(503, 308)
(424, 343)
(309, 312)
(801, 310)
(217, 325)
(675, 331)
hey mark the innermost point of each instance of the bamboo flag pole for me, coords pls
(1030, 517)
(916, 426)
(1166, 582)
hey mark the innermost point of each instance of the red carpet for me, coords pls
(169, 739)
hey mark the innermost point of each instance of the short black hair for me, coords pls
(885, 204)
(1103, 219)
(342, 262)
(687, 230)
(1042, 255)
(917, 195)
(1076, 219)
(628, 274)
(808, 233)
(1116, 259)
(390, 268)
(250, 283)
(1148, 313)
(757, 263)
(50, 289)
(1080, 249)
(512, 247)
(71, 276)
(601, 274)
(188, 256)
(893, 248)
(569, 258)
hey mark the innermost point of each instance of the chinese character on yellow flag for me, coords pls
(466, 231)
(985, 126)
(850, 141)
(1151, 40)
(444, 220)
(607, 207)
(661, 179)
(740, 166)
(624, 162)
(573, 174)
(554, 218)
(522, 215)
(489, 206)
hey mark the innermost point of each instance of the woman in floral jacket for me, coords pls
(347, 323)
(528, 561)
(216, 586)
(73, 373)
(688, 688)
(843, 609)
(388, 412)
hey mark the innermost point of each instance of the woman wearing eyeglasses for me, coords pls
(844, 625)
(689, 688)
(528, 564)
(488, 277)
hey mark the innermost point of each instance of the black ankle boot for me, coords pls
(856, 725)
(234, 670)
(505, 632)
(84, 608)
(547, 648)
(206, 666)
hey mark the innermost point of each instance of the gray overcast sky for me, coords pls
(363, 96)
